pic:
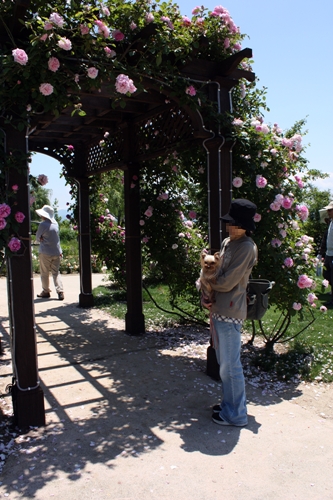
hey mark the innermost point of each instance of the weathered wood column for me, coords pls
(219, 169)
(134, 319)
(86, 298)
(28, 398)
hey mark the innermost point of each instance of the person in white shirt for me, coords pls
(50, 252)
(328, 263)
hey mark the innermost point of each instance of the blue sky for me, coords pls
(291, 42)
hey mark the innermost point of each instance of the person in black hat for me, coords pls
(50, 252)
(239, 255)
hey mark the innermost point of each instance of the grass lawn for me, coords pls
(308, 356)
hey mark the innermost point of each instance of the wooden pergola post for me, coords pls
(86, 298)
(134, 318)
(28, 397)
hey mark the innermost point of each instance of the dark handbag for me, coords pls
(257, 298)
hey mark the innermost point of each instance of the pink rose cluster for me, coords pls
(302, 212)
(293, 143)
(102, 28)
(281, 201)
(124, 84)
(167, 20)
(299, 181)
(223, 14)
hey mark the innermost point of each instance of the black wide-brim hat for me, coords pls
(241, 213)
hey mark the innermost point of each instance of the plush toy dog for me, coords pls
(210, 268)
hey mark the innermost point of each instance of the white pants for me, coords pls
(47, 264)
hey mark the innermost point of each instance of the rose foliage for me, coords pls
(70, 47)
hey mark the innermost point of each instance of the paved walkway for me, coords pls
(128, 418)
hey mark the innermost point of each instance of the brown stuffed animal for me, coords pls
(210, 268)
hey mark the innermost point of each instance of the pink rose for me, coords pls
(226, 43)
(276, 243)
(304, 281)
(57, 19)
(325, 283)
(48, 26)
(70, 148)
(149, 17)
(5, 210)
(14, 245)
(297, 306)
(42, 179)
(323, 309)
(15, 188)
(237, 122)
(102, 29)
(20, 56)
(261, 181)
(44, 37)
(275, 206)
(186, 21)
(46, 89)
(124, 84)
(19, 216)
(288, 262)
(257, 218)
(312, 297)
(105, 11)
(84, 29)
(190, 91)
(149, 212)
(237, 182)
(192, 214)
(3, 224)
(133, 26)
(92, 72)
(118, 35)
(109, 52)
(302, 212)
(287, 202)
(65, 44)
(142, 222)
(53, 64)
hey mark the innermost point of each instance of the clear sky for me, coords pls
(292, 42)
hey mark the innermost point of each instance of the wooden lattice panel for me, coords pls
(169, 127)
(107, 153)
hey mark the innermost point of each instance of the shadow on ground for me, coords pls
(110, 395)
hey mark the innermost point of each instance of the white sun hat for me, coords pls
(47, 212)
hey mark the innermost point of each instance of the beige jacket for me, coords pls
(238, 258)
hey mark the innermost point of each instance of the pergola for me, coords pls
(130, 129)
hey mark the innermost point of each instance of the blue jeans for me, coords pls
(233, 406)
